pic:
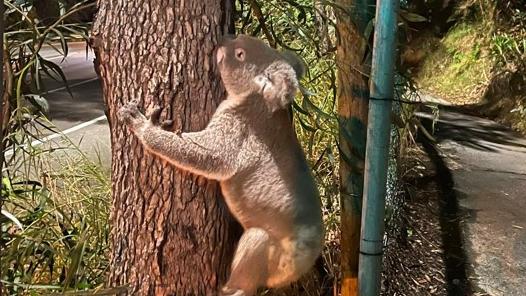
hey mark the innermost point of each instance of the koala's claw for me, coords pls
(155, 115)
(131, 115)
(155, 119)
(167, 124)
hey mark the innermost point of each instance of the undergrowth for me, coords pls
(458, 65)
(57, 237)
(54, 203)
(481, 60)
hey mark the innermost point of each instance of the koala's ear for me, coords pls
(279, 84)
(295, 61)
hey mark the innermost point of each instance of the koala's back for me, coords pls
(273, 188)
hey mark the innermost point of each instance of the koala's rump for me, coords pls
(263, 197)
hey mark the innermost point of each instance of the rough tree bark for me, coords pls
(353, 94)
(171, 232)
(2, 108)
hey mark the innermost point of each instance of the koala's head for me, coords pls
(247, 65)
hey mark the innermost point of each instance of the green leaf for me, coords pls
(299, 109)
(52, 44)
(48, 65)
(12, 218)
(28, 20)
(26, 286)
(21, 78)
(412, 17)
(39, 102)
(81, 32)
(315, 108)
(63, 42)
(76, 255)
(37, 74)
(305, 125)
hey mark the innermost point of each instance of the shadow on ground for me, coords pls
(454, 253)
(480, 243)
(468, 131)
(83, 104)
(454, 256)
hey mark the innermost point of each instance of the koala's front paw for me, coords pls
(133, 118)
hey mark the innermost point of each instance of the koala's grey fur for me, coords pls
(251, 148)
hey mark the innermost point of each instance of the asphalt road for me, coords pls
(487, 163)
(80, 115)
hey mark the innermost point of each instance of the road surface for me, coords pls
(80, 116)
(487, 162)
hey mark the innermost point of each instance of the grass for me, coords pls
(62, 246)
(481, 60)
(508, 47)
(63, 242)
(458, 66)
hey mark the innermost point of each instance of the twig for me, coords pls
(259, 15)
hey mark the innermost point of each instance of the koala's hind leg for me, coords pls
(249, 268)
(260, 260)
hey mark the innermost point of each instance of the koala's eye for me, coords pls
(240, 54)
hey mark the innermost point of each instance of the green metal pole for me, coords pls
(377, 149)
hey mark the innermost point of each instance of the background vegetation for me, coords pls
(54, 222)
(477, 58)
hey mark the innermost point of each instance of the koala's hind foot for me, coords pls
(232, 292)
(249, 268)
(261, 260)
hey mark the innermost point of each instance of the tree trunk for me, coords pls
(2, 100)
(353, 94)
(171, 231)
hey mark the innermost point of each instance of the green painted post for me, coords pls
(377, 149)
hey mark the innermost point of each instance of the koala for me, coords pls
(250, 147)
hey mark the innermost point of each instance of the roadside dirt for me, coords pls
(413, 261)
(464, 214)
